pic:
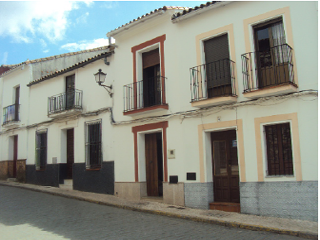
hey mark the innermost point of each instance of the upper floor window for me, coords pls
(271, 62)
(215, 77)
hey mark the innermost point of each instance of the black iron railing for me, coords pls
(11, 114)
(146, 93)
(65, 101)
(269, 68)
(215, 79)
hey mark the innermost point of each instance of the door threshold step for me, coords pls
(153, 199)
(11, 180)
(225, 206)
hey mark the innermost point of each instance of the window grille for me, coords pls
(279, 149)
(93, 144)
(41, 149)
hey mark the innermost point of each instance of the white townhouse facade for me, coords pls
(211, 107)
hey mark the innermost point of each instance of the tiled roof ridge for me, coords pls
(74, 66)
(164, 8)
(189, 10)
(66, 54)
(14, 66)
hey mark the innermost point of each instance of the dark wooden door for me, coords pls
(70, 152)
(152, 164)
(15, 155)
(70, 92)
(225, 166)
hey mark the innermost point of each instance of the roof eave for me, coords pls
(130, 25)
(71, 68)
(199, 11)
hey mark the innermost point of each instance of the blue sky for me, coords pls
(31, 30)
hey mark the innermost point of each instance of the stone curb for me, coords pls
(252, 227)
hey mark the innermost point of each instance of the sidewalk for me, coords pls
(305, 229)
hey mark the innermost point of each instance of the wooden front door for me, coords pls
(15, 155)
(70, 152)
(154, 170)
(225, 167)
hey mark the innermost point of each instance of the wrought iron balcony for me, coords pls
(11, 114)
(65, 101)
(267, 69)
(215, 79)
(146, 93)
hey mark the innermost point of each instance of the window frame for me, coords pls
(41, 164)
(267, 163)
(88, 163)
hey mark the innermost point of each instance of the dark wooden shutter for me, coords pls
(151, 58)
(216, 48)
(16, 109)
(217, 61)
(70, 93)
(95, 144)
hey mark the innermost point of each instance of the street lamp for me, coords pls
(100, 78)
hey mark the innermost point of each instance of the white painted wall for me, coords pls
(180, 55)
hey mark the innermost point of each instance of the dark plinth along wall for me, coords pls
(98, 181)
(46, 177)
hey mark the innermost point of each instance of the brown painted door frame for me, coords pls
(15, 155)
(225, 166)
(70, 152)
(154, 164)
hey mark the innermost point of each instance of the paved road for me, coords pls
(26, 214)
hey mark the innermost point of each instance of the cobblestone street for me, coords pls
(27, 214)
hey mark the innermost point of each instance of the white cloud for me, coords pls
(83, 45)
(5, 58)
(23, 20)
(82, 18)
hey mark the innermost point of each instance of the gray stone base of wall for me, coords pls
(198, 195)
(296, 200)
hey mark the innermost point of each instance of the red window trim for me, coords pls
(147, 127)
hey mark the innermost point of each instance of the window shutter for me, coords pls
(151, 58)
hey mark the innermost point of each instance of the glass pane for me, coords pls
(220, 158)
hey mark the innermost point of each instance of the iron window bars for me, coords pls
(93, 144)
(268, 68)
(41, 149)
(145, 93)
(215, 79)
(71, 99)
(11, 113)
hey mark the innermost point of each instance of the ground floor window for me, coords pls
(41, 149)
(279, 149)
(93, 144)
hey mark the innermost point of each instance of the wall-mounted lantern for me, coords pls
(100, 78)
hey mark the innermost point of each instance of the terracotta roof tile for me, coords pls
(74, 66)
(164, 8)
(189, 10)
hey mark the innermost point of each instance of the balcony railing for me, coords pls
(215, 79)
(11, 114)
(65, 101)
(269, 68)
(146, 93)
